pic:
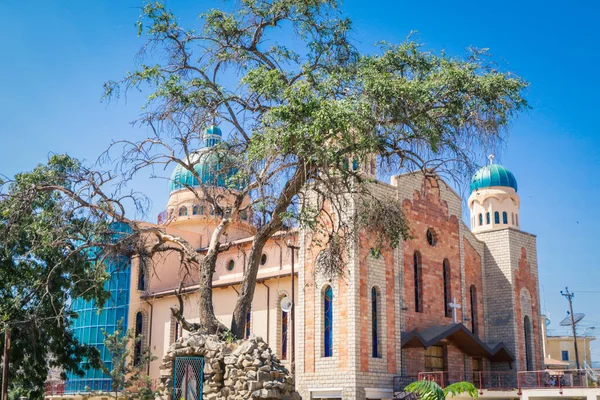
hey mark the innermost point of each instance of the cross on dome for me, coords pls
(491, 158)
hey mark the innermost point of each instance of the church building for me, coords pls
(454, 302)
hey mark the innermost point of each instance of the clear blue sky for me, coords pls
(57, 54)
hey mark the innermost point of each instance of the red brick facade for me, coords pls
(525, 279)
(428, 211)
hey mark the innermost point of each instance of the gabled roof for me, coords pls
(460, 336)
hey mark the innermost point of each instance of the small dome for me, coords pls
(493, 175)
(213, 167)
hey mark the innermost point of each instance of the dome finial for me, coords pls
(491, 158)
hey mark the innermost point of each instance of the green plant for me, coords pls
(430, 390)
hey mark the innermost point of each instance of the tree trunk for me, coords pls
(244, 300)
(208, 320)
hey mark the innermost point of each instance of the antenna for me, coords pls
(576, 319)
(286, 304)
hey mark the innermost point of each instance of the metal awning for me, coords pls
(461, 337)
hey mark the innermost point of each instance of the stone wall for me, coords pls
(246, 369)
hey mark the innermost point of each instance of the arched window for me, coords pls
(183, 211)
(473, 298)
(447, 288)
(355, 164)
(137, 350)
(197, 210)
(487, 218)
(375, 322)
(512, 218)
(141, 277)
(517, 219)
(284, 334)
(248, 323)
(504, 218)
(328, 322)
(496, 217)
(480, 219)
(418, 282)
(528, 351)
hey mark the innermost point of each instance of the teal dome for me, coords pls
(213, 167)
(493, 175)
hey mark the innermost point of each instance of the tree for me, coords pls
(430, 390)
(126, 370)
(43, 265)
(298, 112)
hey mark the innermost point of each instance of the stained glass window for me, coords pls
(284, 334)
(480, 219)
(139, 326)
(328, 322)
(447, 288)
(183, 212)
(417, 282)
(473, 295)
(496, 217)
(374, 322)
(248, 323)
(487, 218)
(504, 218)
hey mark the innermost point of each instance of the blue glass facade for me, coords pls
(88, 326)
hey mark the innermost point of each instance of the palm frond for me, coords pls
(461, 387)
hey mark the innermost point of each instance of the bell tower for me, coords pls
(494, 202)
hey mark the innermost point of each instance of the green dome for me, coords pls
(213, 168)
(493, 175)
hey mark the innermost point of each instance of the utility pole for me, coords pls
(569, 296)
(5, 363)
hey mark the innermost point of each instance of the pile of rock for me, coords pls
(246, 369)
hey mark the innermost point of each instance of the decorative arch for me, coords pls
(183, 211)
(197, 209)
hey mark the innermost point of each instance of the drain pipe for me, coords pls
(150, 330)
(268, 311)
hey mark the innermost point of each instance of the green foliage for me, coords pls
(128, 376)
(430, 390)
(42, 268)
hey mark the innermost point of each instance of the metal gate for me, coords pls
(189, 378)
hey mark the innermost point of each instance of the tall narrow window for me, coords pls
(418, 282)
(177, 330)
(528, 351)
(504, 218)
(512, 218)
(375, 322)
(517, 219)
(141, 277)
(137, 350)
(480, 219)
(284, 335)
(328, 322)
(248, 323)
(487, 218)
(473, 298)
(447, 287)
(496, 217)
